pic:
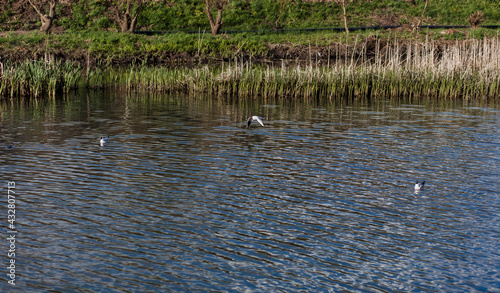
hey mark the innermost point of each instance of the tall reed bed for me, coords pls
(38, 78)
(462, 70)
(467, 70)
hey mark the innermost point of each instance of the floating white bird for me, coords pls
(253, 118)
(419, 186)
(104, 140)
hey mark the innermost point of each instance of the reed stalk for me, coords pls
(39, 78)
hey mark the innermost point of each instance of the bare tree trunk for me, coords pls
(126, 22)
(277, 23)
(344, 4)
(422, 16)
(123, 21)
(216, 25)
(133, 23)
(282, 7)
(345, 18)
(47, 20)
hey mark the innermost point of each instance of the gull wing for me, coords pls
(259, 119)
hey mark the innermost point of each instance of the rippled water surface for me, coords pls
(183, 198)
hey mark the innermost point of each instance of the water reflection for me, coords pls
(184, 198)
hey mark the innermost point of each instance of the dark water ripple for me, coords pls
(183, 202)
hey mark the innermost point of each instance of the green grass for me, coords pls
(88, 32)
(112, 45)
(189, 15)
(261, 14)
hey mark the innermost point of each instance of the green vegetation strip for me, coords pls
(466, 70)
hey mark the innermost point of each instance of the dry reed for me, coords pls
(463, 70)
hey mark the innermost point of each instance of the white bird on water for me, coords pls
(104, 140)
(419, 186)
(254, 118)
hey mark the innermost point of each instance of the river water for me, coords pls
(184, 198)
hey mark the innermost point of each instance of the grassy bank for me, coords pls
(186, 15)
(87, 32)
(88, 48)
(463, 70)
(87, 51)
